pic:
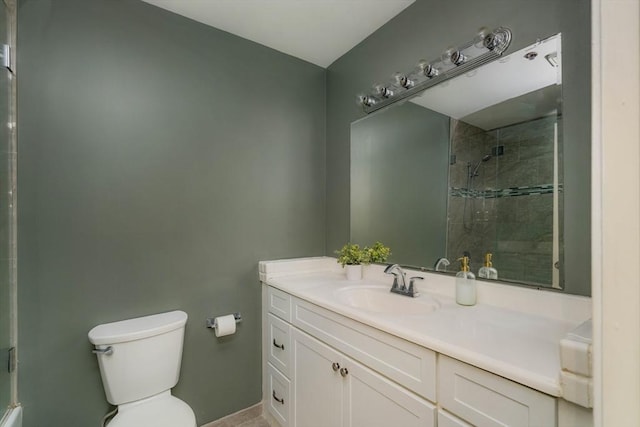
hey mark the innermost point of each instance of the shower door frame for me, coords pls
(13, 414)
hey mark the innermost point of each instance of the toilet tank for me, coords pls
(145, 357)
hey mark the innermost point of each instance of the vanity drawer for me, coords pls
(485, 399)
(279, 303)
(279, 403)
(279, 345)
(408, 364)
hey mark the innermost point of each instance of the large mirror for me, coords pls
(472, 166)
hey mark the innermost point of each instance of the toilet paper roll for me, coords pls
(225, 325)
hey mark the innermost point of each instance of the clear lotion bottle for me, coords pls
(465, 284)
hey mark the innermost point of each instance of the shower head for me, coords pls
(475, 169)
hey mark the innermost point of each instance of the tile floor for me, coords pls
(249, 417)
(255, 422)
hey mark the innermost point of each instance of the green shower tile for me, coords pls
(517, 174)
(455, 211)
(537, 148)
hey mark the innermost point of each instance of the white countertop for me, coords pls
(521, 346)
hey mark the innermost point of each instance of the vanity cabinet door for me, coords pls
(318, 387)
(374, 401)
(445, 419)
(332, 390)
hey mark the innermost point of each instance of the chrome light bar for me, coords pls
(484, 48)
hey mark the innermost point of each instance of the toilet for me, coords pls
(140, 363)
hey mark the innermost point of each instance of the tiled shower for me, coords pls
(501, 198)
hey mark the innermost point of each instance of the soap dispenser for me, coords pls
(488, 272)
(465, 284)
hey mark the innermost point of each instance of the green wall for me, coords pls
(390, 153)
(425, 29)
(159, 161)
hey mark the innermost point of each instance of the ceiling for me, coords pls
(317, 31)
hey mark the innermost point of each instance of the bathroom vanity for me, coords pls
(349, 353)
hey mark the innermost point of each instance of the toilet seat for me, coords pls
(162, 410)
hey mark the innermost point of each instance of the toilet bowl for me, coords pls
(162, 410)
(139, 363)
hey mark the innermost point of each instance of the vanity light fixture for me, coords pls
(484, 48)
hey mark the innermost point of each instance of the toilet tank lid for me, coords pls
(138, 328)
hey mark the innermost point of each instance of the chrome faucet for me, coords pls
(399, 281)
(441, 261)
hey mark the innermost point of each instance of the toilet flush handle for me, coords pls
(108, 351)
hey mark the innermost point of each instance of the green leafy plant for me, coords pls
(350, 254)
(376, 253)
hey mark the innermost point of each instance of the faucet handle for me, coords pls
(411, 288)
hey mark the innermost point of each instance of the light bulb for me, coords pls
(493, 40)
(403, 81)
(427, 69)
(383, 91)
(478, 40)
(458, 58)
(365, 100)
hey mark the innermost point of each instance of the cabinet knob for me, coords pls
(280, 346)
(281, 401)
(335, 366)
(344, 372)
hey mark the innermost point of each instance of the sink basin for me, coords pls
(378, 299)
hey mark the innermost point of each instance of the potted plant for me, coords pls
(351, 257)
(377, 253)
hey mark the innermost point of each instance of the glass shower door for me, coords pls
(7, 211)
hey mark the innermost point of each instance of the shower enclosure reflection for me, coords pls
(504, 202)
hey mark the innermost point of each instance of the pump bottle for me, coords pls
(488, 272)
(465, 284)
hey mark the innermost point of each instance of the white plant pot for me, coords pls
(354, 272)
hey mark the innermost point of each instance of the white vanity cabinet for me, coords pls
(323, 369)
(311, 384)
(485, 399)
(331, 389)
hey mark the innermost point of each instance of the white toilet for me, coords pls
(140, 362)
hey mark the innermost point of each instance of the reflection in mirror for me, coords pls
(471, 165)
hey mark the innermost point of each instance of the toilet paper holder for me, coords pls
(211, 321)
